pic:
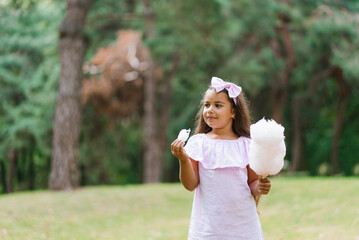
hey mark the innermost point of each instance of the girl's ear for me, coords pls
(233, 113)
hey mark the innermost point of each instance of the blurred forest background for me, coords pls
(93, 92)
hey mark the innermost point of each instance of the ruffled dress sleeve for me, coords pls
(217, 153)
(194, 147)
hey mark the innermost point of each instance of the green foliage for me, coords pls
(235, 40)
(349, 144)
(332, 39)
(110, 151)
(29, 72)
(104, 19)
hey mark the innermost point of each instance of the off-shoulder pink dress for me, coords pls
(223, 206)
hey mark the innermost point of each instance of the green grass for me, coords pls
(296, 208)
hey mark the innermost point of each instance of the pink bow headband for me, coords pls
(233, 89)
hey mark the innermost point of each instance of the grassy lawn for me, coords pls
(297, 208)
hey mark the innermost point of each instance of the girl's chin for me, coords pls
(209, 124)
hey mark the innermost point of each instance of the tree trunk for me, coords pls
(296, 110)
(280, 88)
(10, 183)
(152, 163)
(31, 169)
(166, 106)
(297, 137)
(167, 102)
(3, 176)
(344, 93)
(65, 174)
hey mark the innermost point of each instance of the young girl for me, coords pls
(215, 163)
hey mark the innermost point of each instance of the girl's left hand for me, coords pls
(264, 186)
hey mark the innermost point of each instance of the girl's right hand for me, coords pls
(178, 150)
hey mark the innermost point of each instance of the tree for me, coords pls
(152, 162)
(28, 79)
(330, 38)
(65, 173)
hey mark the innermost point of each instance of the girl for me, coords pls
(215, 163)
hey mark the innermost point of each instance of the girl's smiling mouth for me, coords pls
(211, 118)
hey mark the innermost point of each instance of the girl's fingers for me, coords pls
(264, 186)
(175, 144)
(264, 180)
(264, 183)
(264, 190)
(176, 147)
(178, 143)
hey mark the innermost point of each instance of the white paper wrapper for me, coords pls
(184, 134)
(267, 148)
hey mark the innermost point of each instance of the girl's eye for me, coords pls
(218, 106)
(206, 105)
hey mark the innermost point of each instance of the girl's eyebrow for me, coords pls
(215, 102)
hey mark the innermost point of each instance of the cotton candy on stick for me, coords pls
(267, 148)
(184, 134)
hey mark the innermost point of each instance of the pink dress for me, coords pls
(223, 206)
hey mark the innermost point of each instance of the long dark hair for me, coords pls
(241, 121)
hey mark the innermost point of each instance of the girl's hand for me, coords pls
(264, 185)
(178, 150)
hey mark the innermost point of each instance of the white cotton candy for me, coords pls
(267, 148)
(184, 134)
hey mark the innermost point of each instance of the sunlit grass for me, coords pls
(296, 208)
(312, 208)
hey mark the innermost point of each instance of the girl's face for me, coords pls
(217, 110)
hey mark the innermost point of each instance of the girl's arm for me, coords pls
(188, 167)
(258, 187)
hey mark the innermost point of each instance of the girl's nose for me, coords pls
(210, 109)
